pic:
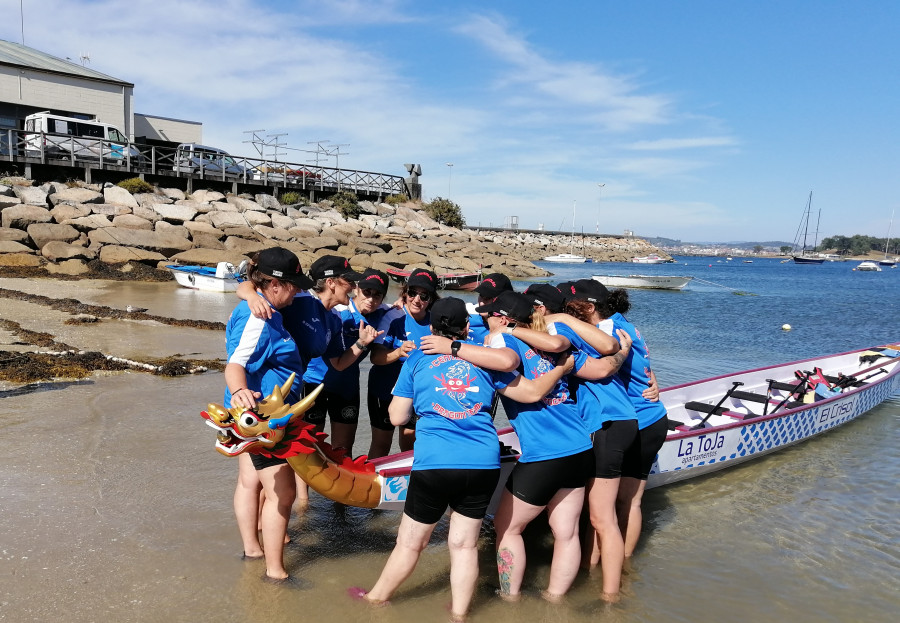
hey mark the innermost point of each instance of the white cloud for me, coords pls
(669, 144)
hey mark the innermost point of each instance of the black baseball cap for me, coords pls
(493, 284)
(567, 289)
(374, 279)
(590, 290)
(449, 315)
(330, 266)
(546, 295)
(422, 278)
(511, 304)
(282, 264)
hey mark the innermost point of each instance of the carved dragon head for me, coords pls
(261, 429)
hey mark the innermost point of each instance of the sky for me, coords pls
(704, 120)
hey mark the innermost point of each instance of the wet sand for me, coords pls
(117, 508)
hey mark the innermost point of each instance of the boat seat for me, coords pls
(786, 387)
(674, 424)
(749, 396)
(704, 408)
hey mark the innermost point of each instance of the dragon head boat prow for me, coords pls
(263, 428)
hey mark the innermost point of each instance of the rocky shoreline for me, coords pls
(76, 230)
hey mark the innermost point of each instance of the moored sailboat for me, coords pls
(804, 257)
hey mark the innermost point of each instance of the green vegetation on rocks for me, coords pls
(445, 212)
(136, 185)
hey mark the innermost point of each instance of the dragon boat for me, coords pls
(713, 424)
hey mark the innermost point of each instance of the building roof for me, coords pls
(18, 55)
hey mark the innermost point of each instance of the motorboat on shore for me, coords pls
(653, 282)
(446, 281)
(653, 258)
(714, 424)
(868, 266)
(224, 277)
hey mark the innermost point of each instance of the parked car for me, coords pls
(194, 158)
(69, 138)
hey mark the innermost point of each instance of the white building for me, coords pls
(33, 81)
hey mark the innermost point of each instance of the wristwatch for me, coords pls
(454, 347)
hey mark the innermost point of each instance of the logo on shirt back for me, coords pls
(456, 383)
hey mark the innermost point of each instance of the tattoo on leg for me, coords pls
(504, 568)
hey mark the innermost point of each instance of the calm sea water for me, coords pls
(116, 507)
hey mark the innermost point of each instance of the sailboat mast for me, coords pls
(888, 241)
(806, 222)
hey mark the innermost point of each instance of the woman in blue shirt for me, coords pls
(261, 355)
(457, 454)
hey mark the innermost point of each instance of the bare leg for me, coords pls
(343, 435)
(246, 506)
(602, 501)
(407, 438)
(381, 443)
(412, 537)
(302, 492)
(509, 522)
(463, 543)
(278, 483)
(563, 512)
(628, 510)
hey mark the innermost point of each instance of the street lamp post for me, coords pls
(598, 206)
(449, 180)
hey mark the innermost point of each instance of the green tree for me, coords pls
(785, 249)
(758, 249)
(446, 212)
(347, 203)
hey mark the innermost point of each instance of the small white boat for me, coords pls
(653, 258)
(223, 278)
(655, 282)
(566, 258)
(713, 424)
(869, 266)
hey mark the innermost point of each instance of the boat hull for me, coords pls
(203, 278)
(649, 259)
(739, 434)
(869, 266)
(798, 259)
(653, 282)
(566, 258)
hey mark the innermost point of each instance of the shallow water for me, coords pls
(117, 508)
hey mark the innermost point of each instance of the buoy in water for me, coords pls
(785, 327)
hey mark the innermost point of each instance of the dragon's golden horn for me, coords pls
(286, 388)
(301, 407)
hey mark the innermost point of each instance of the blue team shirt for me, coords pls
(346, 382)
(598, 401)
(635, 372)
(398, 327)
(310, 324)
(550, 428)
(453, 399)
(265, 349)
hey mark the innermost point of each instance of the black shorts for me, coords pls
(637, 464)
(379, 416)
(466, 491)
(340, 408)
(261, 462)
(612, 443)
(537, 482)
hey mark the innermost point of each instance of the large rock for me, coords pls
(207, 196)
(6, 201)
(321, 242)
(274, 233)
(112, 254)
(21, 216)
(16, 235)
(132, 221)
(222, 220)
(108, 209)
(243, 205)
(268, 202)
(23, 259)
(65, 212)
(175, 194)
(174, 213)
(308, 223)
(89, 223)
(76, 195)
(30, 195)
(68, 267)
(244, 246)
(282, 221)
(11, 246)
(203, 240)
(166, 244)
(119, 196)
(206, 228)
(42, 233)
(151, 198)
(57, 250)
(256, 218)
(168, 228)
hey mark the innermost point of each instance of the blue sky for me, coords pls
(705, 120)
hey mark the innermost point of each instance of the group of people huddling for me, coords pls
(572, 374)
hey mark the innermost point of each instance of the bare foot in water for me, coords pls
(553, 598)
(610, 598)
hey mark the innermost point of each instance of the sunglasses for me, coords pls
(423, 296)
(369, 293)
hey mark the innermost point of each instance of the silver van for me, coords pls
(194, 158)
(69, 138)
